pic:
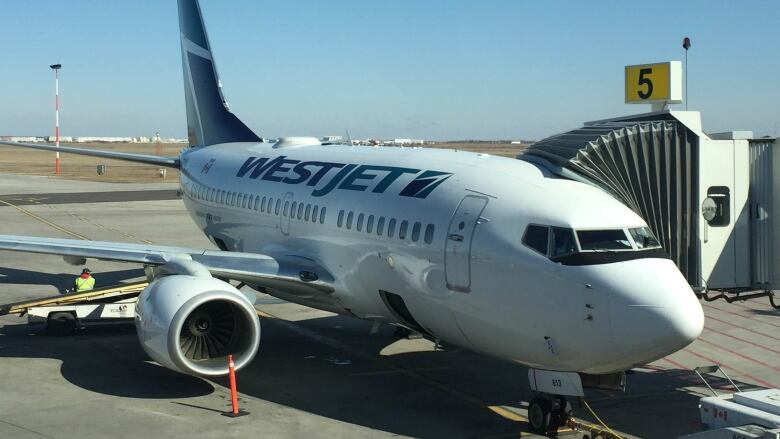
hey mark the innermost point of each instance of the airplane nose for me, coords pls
(657, 315)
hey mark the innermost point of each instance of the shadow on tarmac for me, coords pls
(425, 394)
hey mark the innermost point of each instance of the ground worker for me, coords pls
(84, 282)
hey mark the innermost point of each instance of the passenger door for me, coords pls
(457, 254)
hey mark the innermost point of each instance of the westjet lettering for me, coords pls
(351, 177)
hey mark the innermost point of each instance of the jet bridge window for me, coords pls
(536, 237)
(717, 211)
(644, 238)
(599, 240)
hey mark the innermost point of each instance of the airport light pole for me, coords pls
(56, 68)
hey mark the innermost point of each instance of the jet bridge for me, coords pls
(708, 198)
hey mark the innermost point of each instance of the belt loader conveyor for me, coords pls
(64, 313)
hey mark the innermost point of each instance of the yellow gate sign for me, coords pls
(654, 83)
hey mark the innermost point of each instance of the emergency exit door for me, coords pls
(457, 255)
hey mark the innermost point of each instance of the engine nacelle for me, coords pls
(190, 324)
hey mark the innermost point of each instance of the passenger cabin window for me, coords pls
(402, 229)
(391, 228)
(359, 222)
(300, 211)
(429, 234)
(340, 221)
(563, 242)
(257, 202)
(286, 208)
(278, 205)
(603, 240)
(314, 213)
(416, 232)
(307, 212)
(322, 215)
(370, 224)
(350, 215)
(380, 226)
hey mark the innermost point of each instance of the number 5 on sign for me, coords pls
(654, 83)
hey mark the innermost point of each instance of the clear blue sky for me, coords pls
(429, 69)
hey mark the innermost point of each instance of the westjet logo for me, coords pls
(324, 177)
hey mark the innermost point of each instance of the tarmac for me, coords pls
(317, 374)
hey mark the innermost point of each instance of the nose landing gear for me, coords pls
(548, 412)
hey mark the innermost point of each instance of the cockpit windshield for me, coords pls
(644, 238)
(598, 240)
(589, 247)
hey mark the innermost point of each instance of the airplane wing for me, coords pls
(170, 162)
(292, 274)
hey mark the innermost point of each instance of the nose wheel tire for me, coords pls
(540, 417)
(547, 413)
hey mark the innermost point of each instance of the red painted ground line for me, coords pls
(777, 369)
(746, 375)
(742, 340)
(749, 317)
(744, 328)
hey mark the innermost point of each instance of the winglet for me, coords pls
(209, 120)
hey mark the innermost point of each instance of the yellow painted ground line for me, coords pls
(45, 221)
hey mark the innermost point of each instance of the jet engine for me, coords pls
(191, 323)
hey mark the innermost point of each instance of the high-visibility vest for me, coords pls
(83, 284)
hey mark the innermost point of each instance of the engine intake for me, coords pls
(191, 323)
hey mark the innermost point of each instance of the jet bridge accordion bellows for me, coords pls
(649, 165)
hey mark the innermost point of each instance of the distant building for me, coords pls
(408, 141)
(331, 139)
(23, 139)
(62, 139)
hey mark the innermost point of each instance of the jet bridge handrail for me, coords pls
(711, 369)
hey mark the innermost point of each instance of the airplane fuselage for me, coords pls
(432, 239)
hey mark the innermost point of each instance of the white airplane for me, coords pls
(491, 254)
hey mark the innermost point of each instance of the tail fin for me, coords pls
(209, 119)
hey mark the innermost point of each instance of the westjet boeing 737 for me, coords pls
(491, 254)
